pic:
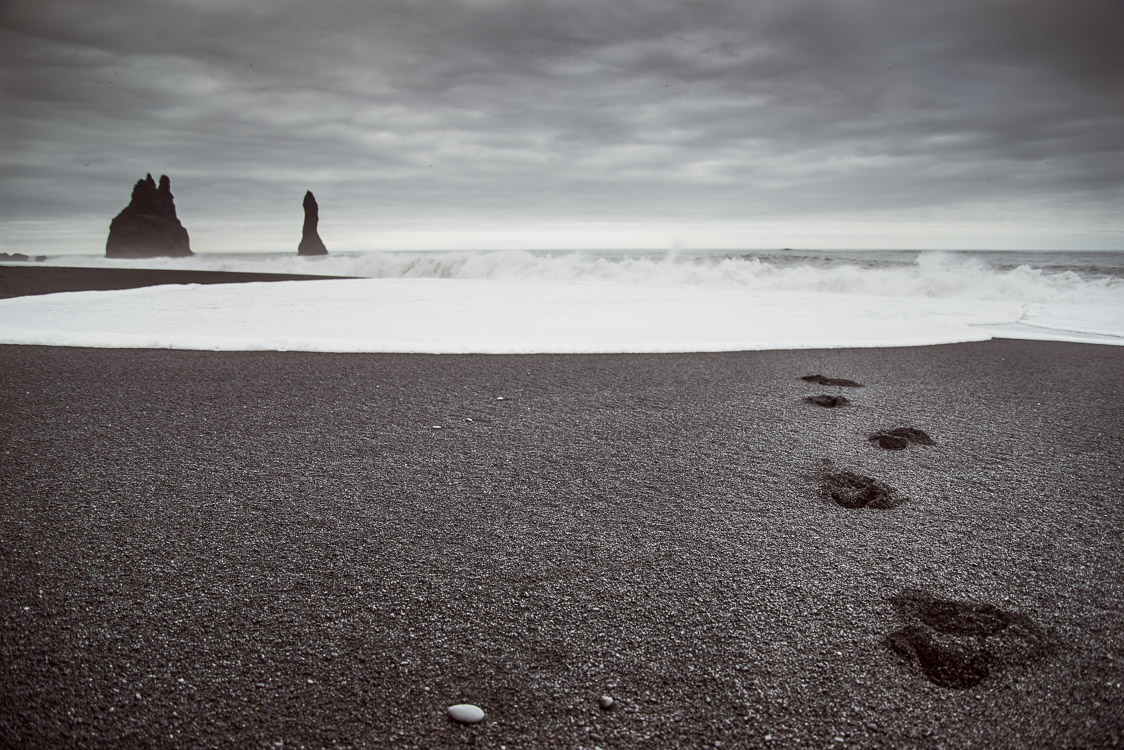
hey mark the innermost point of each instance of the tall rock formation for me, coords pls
(311, 244)
(148, 227)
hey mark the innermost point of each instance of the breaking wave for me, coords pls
(928, 274)
(935, 275)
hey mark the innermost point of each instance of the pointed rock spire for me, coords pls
(311, 244)
(148, 227)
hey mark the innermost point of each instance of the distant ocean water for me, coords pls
(1029, 277)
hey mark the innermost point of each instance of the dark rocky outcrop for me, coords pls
(311, 244)
(148, 227)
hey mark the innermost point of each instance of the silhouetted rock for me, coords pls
(311, 243)
(22, 257)
(148, 227)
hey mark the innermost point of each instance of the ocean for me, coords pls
(1022, 276)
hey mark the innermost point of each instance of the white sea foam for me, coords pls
(933, 275)
(502, 302)
(466, 315)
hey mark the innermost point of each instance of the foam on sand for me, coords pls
(514, 301)
(463, 316)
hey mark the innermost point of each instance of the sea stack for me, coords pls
(311, 244)
(148, 227)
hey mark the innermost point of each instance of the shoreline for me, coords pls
(370, 315)
(246, 548)
(20, 281)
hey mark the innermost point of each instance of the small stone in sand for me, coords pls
(466, 713)
(606, 702)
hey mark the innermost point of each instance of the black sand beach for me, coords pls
(205, 549)
(20, 280)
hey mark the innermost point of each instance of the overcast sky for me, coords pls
(568, 123)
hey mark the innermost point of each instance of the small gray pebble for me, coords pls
(606, 702)
(466, 713)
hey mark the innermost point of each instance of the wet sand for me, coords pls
(208, 549)
(20, 280)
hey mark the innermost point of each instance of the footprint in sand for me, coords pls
(901, 438)
(959, 644)
(824, 380)
(850, 490)
(825, 400)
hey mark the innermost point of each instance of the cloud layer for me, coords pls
(579, 120)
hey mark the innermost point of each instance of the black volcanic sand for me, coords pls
(18, 281)
(205, 549)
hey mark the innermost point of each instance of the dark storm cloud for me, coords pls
(571, 110)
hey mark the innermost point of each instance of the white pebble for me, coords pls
(606, 702)
(466, 713)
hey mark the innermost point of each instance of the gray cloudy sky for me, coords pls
(568, 123)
